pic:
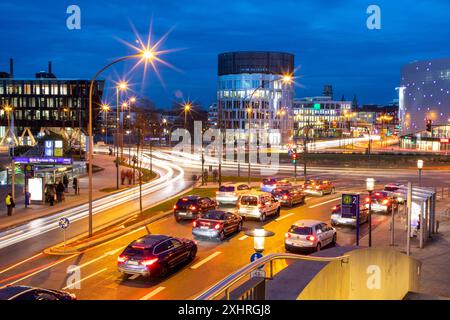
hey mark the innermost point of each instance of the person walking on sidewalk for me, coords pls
(59, 191)
(66, 182)
(10, 203)
(123, 176)
(75, 185)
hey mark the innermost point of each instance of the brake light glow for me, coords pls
(194, 223)
(175, 207)
(288, 235)
(217, 226)
(310, 238)
(184, 199)
(385, 201)
(285, 197)
(148, 263)
(121, 259)
(193, 208)
(367, 199)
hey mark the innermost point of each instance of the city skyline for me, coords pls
(324, 45)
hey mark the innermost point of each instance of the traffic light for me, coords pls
(294, 158)
(429, 125)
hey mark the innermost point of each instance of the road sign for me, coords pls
(64, 223)
(350, 205)
(28, 170)
(255, 256)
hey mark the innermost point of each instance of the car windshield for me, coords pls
(303, 231)
(226, 189)
(391, 188)
(185, 203)
(278, 192)
(249, 200)
(380, 194)
(269, 181)
(213, 215)
(133, 251)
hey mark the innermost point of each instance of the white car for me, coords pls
(309, 235)
(229, 193)
(258, 205)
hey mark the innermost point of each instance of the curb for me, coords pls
(60, 251)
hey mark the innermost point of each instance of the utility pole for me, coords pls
(408, 219)
(140, 169)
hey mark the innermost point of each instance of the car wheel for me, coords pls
(333, 242)
(177, 218)
(262, 218)
(221, 235)
(163, 271)
(239, 228)
(333, 191)
(125, 276)
(192, 254)
(278, 212)
(321, 193)
(318, 247)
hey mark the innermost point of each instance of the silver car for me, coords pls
(309, 235)
(229, 193)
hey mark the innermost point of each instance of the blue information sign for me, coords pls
(350, 206)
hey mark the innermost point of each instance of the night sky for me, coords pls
(329, 38)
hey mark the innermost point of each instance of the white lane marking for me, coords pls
(134, 276)
(243, 238)
(307, 198)
(210, 257)
(40, 270)
(110, 253)
(70, 286)
(19, 263)
(284, 217)
(152, 293)
(322, 203)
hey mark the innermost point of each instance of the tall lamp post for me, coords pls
(286, 79)
(186, 109)
(143, 55)
(420, 167)
(105, 109)
(122, 86)
(370, 186)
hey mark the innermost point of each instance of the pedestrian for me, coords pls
(129, 176)
(10, 203)
(122, 176)
(66, 182)
(205, 177)
(110, 151)
(27, 198)
(51, 194)
(59, 191)
(215, 174)
(75, 185)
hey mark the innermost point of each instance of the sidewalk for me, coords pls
(435, 255)
(101, 180)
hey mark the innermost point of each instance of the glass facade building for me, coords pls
(424, 94)
(240, 74)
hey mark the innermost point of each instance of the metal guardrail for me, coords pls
(224, 286)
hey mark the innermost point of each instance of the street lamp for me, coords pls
(186, 107)
(286, 79)
(121, 86)
(370, 186)
(420, 167)
(259, 235)
(105, 109)
(144, 55)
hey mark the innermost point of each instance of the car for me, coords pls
(318, 187)
(217, 224)
(33, 293)
(155, 255)
(393, 189)
(289, 197)
(189, 207)
(309, 235)
(229, 193)
(258, 205)
(338, 220)
(269, 184)
(381, 202)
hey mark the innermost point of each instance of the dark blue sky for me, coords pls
(328, 37)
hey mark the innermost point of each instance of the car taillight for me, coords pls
(121, 259)
(318, 187)
(367, 200)
(310, 238)
(288, 235)
(149, 262)
(175, 207)
(259, 205)
(334, 208)
(194, 224)
(217, 226)
(385, 201)
(285, 197)
(193, 208)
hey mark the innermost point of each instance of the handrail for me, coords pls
(225, 284)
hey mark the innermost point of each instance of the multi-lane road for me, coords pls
(23, 262)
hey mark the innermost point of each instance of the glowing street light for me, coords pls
(186, 107)
(370, 186)
(259, 235)
(105, 108)
(420, 167)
